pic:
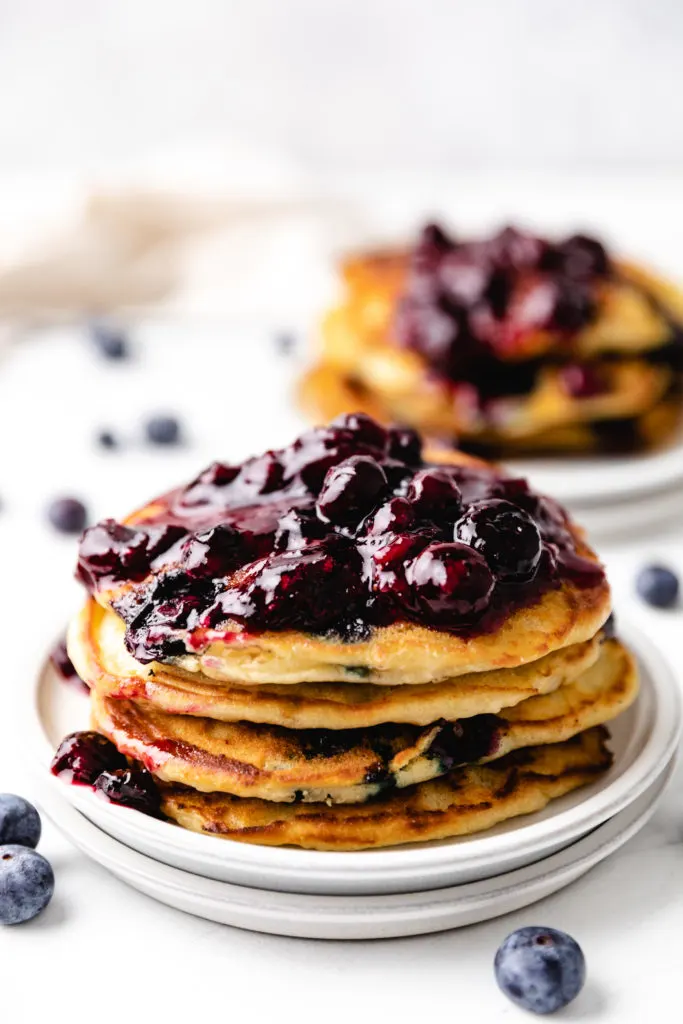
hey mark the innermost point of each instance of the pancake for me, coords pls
(352, 766)
(516, 387)
(97, 650)
(466, 801)
(320, 609)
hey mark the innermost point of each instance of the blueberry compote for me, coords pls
(475, 309)
(59, 656)
(90, 759)
(345, 530)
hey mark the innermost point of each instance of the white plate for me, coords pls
(643, 741)
(624, 518)
(352, 917)
(603, 478)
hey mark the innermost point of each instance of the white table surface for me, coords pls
(103, 950)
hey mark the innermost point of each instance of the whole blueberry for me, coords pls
(540, 969)
(658, 586)
(68, 515)
(131, 787)
(504, 534)
(106, 439)
(351, 490)
(109, 340)
(163, 430)
(27, 883)
(19, 821)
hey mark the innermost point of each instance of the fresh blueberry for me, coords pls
(163, 430)
(106, 439)
(658, 586)
(110, 341)
(540, 969)
(19, 821)
(68, 515)
(285, 342)
(27, 883)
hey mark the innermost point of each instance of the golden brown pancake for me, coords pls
(625, 347)
(98, 652)
(352, 766)
(467, 800)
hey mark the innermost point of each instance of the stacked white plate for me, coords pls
(407, 890)
(615, 494)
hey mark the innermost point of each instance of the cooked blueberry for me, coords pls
(163, 430)
(363, 428)
(297, 528)
(59, 656)
(214, 552)
(68, 515)
(19, 821)
(27, 883)
(106, 439)
(210, 486)
(310, 589)
(540, 969)
(351, 490)
(395, 515)
(109, 340)
(435, 494)
(404, 445)
(580, 257)
(82, 756)
(261, 475)
(658, 586)
(109, 549)
(451, 583)
(131, 787)
(581, 380)
(505, 535)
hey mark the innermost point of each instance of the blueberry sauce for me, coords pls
(90, 759)
(59, 657)
(343, 531)
(474, 309)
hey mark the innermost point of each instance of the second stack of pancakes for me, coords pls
(374, 754)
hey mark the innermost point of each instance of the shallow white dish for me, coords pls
(352, 917)
(603, 479)
(623, 518)
(643, 740)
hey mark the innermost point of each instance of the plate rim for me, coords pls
(559, 869)
(612, 478)
(395, 864)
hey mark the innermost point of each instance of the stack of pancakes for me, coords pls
(413, 734)
(509, 344)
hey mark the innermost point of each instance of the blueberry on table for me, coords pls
(68, 515)
(163, 430)
(19, 821)
(285, 342)
(658, 586)
(27, 883)
(540, 969)
(110, 341)
(106, 439)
